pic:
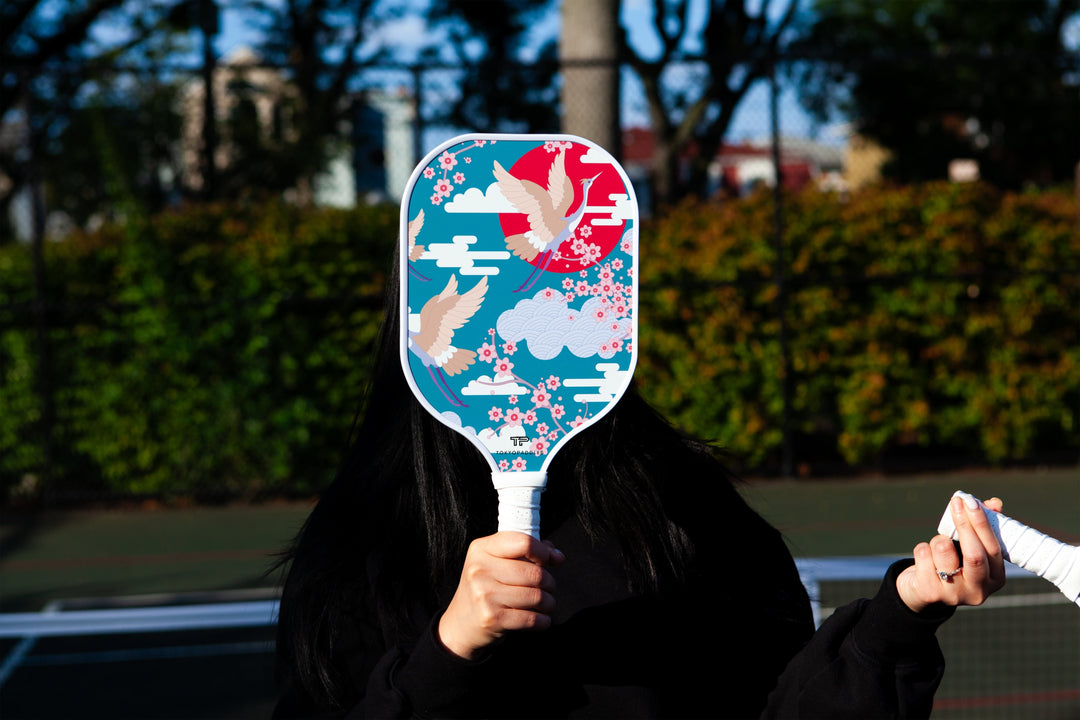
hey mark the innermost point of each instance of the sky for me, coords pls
(407, 34)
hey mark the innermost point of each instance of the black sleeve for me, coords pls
(871, 659)
(409, 680)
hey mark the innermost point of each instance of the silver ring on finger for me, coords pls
(946, 575)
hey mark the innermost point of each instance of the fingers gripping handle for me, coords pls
(519, 501)
(1030, 549)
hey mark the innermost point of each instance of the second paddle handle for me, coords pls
(1030, 549)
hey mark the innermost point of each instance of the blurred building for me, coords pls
(371, 161)
(740, 167)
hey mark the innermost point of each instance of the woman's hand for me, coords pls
(982, 573)
(504, 586)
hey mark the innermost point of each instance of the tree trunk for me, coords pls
(589, 58)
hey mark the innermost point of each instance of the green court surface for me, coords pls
(60, 555)
(1017, 657)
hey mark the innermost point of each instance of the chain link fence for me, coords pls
(395, 112)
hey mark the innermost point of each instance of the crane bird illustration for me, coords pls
(415, 251)
(440, 317)
(546, 210)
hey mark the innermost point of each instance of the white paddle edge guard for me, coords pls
(1028, 548)
(519, 500)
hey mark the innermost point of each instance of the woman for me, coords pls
(399, 602)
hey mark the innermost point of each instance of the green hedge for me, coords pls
(224, 349)
(944, 316)
(219, 351)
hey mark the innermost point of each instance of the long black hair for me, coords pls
(390, 532)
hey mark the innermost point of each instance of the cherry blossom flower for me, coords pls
(542, 429)
(436, 199)
(495, 414)
(487, 353)
(577, 422)
(519, 464)
(443, 187)
(616, 264)
(429, 173)
(549, 146)
(553, 436)
(585, 231)
(447, 160)
(541, 397)
(504, 465)
(468, 160)
(503, 366)
(512, 399)
(616, 344)
(459, 178)
(548, 294)
(510, 347)
(557, 411)
(569, 297)
(599, 314)
(553, 382)
(513, 417)
(605, 350)
(540, 446)
(582, 288)
(567, 284)
(529, 417)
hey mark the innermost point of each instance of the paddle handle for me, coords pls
(1032, 550)
(519, 500)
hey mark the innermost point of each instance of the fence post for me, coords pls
(417, 71)
(41, 318)
(781, 298)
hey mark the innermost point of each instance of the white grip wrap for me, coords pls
(1030, 549)
(519, 500)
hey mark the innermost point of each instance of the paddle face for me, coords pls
(519, 290)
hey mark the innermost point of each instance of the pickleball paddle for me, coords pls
(519, 299)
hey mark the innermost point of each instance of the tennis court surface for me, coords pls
(169, 614)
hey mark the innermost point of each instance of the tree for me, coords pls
(499, 91)
(696, 79)
(323, 45)
(938, 80)
(43, 62)
(66, 98)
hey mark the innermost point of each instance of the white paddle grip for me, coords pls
(519, 501)
(1028, 548)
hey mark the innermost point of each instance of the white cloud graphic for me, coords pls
(622, 210)
(458, 254)
(597, 156)
(549, 325)
(455, 420)
(475, 200)
(484, 385)
(606, 388)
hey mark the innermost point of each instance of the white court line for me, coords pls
(18, 653)
(176, 652)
